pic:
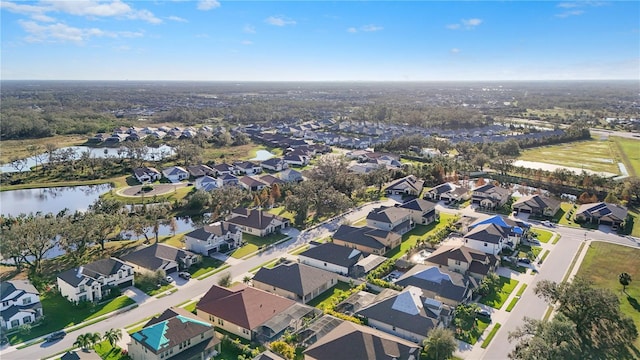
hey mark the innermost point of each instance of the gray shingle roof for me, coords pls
(387, 214)
(103, 267)
(157, 256)
(419, 205)
(219, 228)
(256, 219)
(438, 282)
(361, 236)
(490, 233)
(297, 278)
(334, 254)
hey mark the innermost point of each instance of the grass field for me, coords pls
(18, 148)
(497, 298)
(602, 265)
(594, 155)
(629, 151)
(419, 232)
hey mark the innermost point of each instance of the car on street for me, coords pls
(55, 336)
(524, 260)
(185, 275)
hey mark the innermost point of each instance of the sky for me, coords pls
(213, 40)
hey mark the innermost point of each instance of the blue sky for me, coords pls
(319, 40)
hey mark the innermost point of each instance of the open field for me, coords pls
(594, 155)
(629, 151)
(602, 265)
(18, 148)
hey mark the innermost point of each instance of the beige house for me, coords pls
(367, 239)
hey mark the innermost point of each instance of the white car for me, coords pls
(169, 279)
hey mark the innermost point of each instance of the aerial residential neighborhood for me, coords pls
(229, 180)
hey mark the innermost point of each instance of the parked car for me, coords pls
(524, 260)
(169, 279)
(56, 336)
(547, 223)
(185, 275)
(484, 314)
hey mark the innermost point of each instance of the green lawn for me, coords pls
(253, 243)
(561, 218)
(327, 297)
(489, 337)
(107, 352)
(281, 211)
(602, 265)
(630, 153)
(525, 249)
(594, 155)
(299, 250)
(160, 290)
(497, 298)
(471, 337)
(542, 235)
(632, 226)
(418, 232)
(207, 264)
(60, 313)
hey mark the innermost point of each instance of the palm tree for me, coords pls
(440, 344)
(113, 336)
(246, 279)
(624, 279)
(94, 338)
(82, 341)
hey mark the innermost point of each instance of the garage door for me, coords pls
(126, 284)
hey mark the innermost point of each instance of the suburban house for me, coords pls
(80, 355)
(228, 180)
(274, 164)
(409, 185)
(422, 212)
(207, 183)
(332, 257)
(251, 184)
(93, 281)
(603, 214)
(217, 237)
(390, 218)
(349, 341)
(464, 260)
(537, 205)
(268, 355)
(406, 314)
(147, 174)
(197, 171)
(294, 281)
(297, 160)
(446, 286)
(251, 313)
(367, 239)
(224, 169)
(492, 234)
(257, 222)
(290, 175)
(490, 196)
(160, 257)
(174, 334)
(270, 180)
(447, 192)
(175, 173)
(20, 304)
(247, 167)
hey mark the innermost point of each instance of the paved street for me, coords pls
(193, 289)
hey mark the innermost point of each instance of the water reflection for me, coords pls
(50, 200)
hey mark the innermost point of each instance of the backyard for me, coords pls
(471, 336)
(60, 313)
(602, 265)
(410, 239)
(497, 297)
(326, 298)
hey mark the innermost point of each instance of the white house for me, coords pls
(175, 173)
(147, 174)
(219, 236)
(20, 304)
(207, 183)
(93, 281)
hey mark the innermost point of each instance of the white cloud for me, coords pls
(88, 8)
(145, 15)
(177, 19)
(455, 51)
(279, 21)
(42, 18)
(246, 42)
(208, 4)
(60, 32)
(365, 28)
(249, 29)
(569, 13)
(466, 24)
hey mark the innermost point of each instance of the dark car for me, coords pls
(524, 260)
(55, 336)
(484, 314)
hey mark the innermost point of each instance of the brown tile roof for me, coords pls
(241, 305)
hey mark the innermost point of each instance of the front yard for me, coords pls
(254, 243)
(207, 264)
(542, 235)
(497, 298)
(60, 313)
(471, 336)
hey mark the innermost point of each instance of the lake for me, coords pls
(158, 153)
(262, 155)
(50, 200)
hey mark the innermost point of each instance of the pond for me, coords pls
(152, 154)
(262, 155)
(50, 200)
